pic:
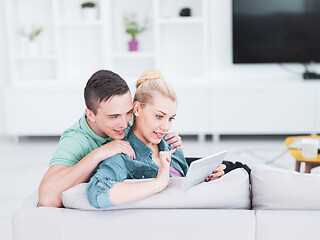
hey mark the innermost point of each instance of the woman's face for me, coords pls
(153, 120)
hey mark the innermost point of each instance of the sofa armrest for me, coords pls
(31, 222)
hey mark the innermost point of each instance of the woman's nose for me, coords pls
(165, 126)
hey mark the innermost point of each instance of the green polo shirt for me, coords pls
(77, 142)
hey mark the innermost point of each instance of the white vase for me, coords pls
(89, 14)
(33, 48)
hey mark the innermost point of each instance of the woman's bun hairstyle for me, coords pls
(149, 75)
(151, 81)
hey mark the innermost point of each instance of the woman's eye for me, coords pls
(170, 119)
(158, 116)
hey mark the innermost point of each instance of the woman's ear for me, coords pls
(90, 115)
(136, 108)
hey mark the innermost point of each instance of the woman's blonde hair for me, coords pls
(150, 82)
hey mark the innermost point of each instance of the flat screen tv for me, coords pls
(276, 31)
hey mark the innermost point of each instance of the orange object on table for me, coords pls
(310, 162)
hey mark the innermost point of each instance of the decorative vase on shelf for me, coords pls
(133, 45)
(89, 14)
(33, 48)
(31, 41)
(89, 11)
(185, 12)
(133, 28)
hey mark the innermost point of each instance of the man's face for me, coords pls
(113, 116)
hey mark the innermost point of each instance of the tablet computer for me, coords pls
(200, 169)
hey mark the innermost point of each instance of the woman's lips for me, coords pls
(119, 132)
(159, 135)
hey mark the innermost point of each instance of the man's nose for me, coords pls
(122, 122)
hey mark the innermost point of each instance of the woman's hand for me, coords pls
(174, 140)
(164, 167)
(217, 173)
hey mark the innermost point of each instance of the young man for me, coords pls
(95, 137)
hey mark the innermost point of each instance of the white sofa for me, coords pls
(284, 205)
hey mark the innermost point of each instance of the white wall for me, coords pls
(4, 64)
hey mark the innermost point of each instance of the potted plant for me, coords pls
(33, 47)
(133, 28)
(89, 11)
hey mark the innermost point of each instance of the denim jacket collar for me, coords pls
(143, 149)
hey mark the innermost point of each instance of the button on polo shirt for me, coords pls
(77, 142)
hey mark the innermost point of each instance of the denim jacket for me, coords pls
(120, 167)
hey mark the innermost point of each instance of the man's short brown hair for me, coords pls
(101, 86)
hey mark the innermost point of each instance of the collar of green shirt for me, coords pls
(85, 127)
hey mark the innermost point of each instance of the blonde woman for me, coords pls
(154, 109)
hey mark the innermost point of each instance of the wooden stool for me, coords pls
(310, 162)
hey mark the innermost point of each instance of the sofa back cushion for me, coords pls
(230, 191)
(275, 188)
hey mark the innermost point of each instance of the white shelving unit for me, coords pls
(46, 91)
(71, 49)
(74, 48)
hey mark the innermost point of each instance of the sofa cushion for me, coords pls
(275, 188)
(230, 191)
(287, 224)
(158, 224)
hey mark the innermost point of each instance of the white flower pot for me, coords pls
(89, 14)
(33, 48)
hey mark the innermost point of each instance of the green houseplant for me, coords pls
(30, 42)
(133, 28)
(33, 34)
(89, 11)
(88, 5)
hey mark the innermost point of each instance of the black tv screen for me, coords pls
(276, 31)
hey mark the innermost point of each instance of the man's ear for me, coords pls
(136, 108)
(90, 115)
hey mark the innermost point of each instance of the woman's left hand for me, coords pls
(217, 173)
(174, 140)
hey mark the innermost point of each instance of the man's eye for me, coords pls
(114, 116)
(158, 116)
